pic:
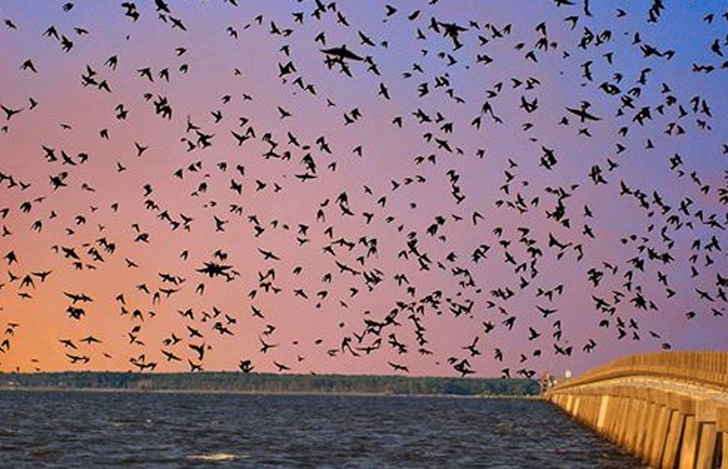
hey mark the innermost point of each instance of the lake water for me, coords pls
(190, 430)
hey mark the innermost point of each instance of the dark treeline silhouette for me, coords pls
(271, 383)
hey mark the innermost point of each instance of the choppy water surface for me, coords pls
(170, 430)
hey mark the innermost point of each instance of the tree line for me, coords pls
(272, 383)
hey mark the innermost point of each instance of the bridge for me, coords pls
(670, 409)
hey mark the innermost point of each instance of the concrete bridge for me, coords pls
(668, 409)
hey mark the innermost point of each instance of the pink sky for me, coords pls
(387, 214)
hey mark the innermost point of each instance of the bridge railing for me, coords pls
(705, 368)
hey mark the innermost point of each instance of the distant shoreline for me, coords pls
(270, 384)
(260, 393)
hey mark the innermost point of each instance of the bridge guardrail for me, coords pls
(705, 368)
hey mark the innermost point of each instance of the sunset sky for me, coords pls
(432, 187)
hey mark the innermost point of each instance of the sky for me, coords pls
(440, 187)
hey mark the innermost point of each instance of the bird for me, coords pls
(342, 53)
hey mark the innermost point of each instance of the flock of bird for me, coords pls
(427, 186)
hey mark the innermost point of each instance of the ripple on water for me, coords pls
(199, 430)
(215, 457)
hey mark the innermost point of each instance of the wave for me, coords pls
(215, 457)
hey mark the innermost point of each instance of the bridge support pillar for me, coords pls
(569, 404)
(635, 416)
(662, 425)
(689, 446)
(630, 420)
(602, 413)
(649, 429)
(675, 432)
(619, 420)
(615, 416)
(706, 416)
(642, 427)
(721, 426)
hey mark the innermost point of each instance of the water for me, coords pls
(186, 430)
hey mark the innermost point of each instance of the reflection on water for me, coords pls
(170, 430)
